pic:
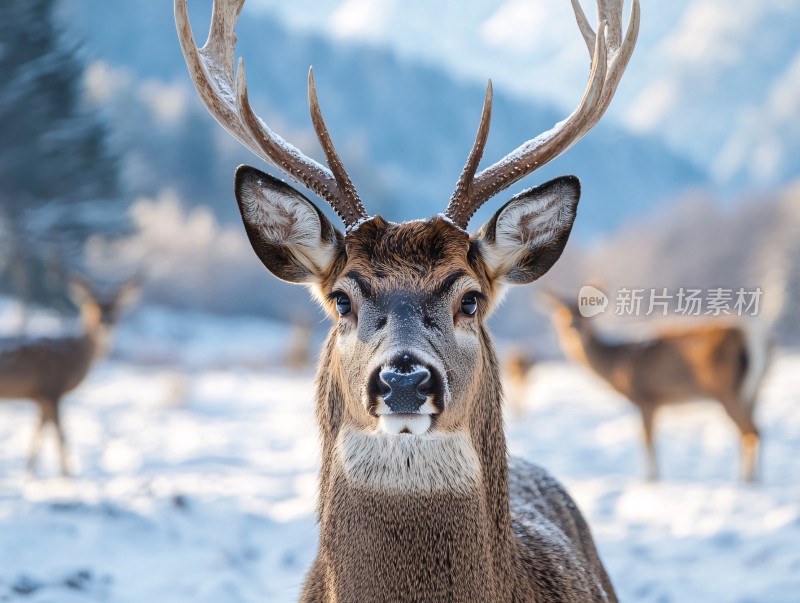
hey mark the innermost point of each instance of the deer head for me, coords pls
(408, 301)
(101, 307)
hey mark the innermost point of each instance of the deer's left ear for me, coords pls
(528, 234)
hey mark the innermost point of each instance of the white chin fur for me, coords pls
(396, 424)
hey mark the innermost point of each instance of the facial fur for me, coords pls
(409, 301)
(405, 284)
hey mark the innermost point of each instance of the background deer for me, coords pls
(516, 371)
(417, 499)
(722, 362)
(299, 354)
(43, 369)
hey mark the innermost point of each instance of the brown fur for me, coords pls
(516, 536)
(407, 296)
(676, 365)
(431, 513)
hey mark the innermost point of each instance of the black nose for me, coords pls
(405, 392)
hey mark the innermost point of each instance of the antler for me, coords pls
(610, 54)
(211, 68)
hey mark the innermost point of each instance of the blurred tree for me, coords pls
(58, 181)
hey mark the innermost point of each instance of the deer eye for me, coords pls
(343, 305)
(469, 304)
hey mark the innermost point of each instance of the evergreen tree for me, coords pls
(58, 182)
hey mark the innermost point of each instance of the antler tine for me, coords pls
(610, 11)
(610, 55)
(221, 41)
(622, 55)
(619, 61)
(225, 97)
(303, 169)
(213, 79)
(354, 207)
(583, 24)
(459, 209)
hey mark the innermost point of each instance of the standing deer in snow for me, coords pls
(723, 362)
(44, 369)
(418, 500)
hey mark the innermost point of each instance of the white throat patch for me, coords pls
(428, 463)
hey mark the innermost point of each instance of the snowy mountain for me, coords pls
(403, 128)
(716, 80)
(729, 89)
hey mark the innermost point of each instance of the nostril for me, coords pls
(425, 387)
(384, 383)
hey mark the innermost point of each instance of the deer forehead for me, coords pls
(413, 256)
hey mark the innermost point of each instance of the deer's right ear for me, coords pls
(289, 234)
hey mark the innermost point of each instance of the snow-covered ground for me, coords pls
(198, 485)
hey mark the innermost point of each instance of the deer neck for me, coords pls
(582, 344)
(416, 517)
(96, 336)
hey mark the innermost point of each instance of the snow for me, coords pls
(196, 482)
(160, 335)
(700, 535)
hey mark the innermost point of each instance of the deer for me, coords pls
(45, 369)
(725, 362)
(418, 499)
(298, 353)
(516, 370)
